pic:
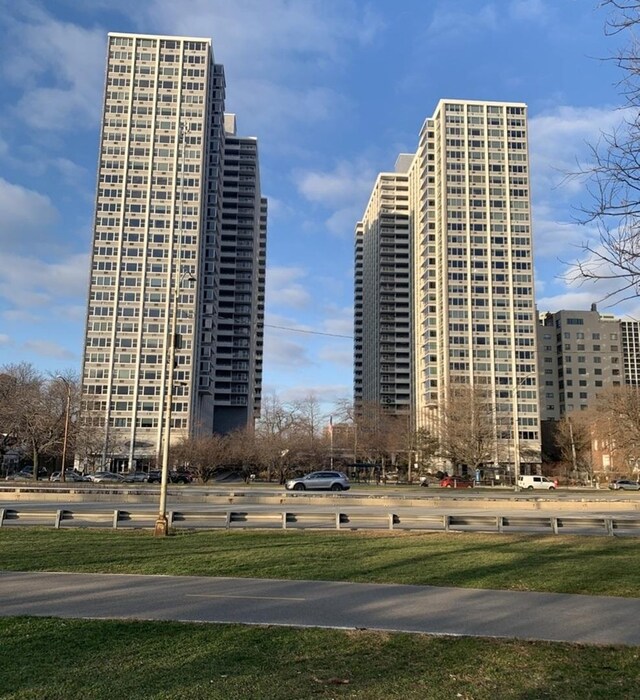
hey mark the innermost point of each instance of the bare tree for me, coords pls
(573, 436)
(36, 407)
(617, 421)
(468, 435)
(308, 418)
(613, 178)
(273, 437)
(203, 455)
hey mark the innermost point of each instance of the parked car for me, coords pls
(624, 484)
(136, 476)
(26, 474)
(105, 477)
(68, 476)
(175, 477)
(533, 481)
(456, 482)
(330, 481)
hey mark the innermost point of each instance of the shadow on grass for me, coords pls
(567, 564)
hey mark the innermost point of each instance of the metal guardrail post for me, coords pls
(58, 519)
(337, 521)
(608, 526)
(114, 522)
(391, 520)
(227, 520)
(1, 516)
(284, 521)
(499, 523)
(170, 519)
(554, 525)
(446, 521)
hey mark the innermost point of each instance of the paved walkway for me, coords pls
(423, 609)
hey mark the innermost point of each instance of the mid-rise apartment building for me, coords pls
(472, 315)
(580, 354)
(171, 203)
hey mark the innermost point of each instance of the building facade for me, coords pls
(382, 272)
(630, 336)
(580, 354)
(472, 313)
(154, 330)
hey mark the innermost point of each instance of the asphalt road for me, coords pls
(417, 609)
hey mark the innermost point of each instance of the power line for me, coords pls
(299, 330)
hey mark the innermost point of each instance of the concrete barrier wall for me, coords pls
(522, 501)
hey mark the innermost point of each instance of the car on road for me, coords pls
(319, 481)
(26, 474)
(175, 477)
(106, 477)
(136, 476)
(68, 476)
(456, 482)
(624, 485)
(533, 481)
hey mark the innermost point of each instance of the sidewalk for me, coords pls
(418, 609)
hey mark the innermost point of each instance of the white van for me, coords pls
(536, 482)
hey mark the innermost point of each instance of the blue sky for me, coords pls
(334, 90)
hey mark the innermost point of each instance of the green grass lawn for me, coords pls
(49, 658)
(593, 565)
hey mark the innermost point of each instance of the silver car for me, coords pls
(319, 481)
(624, 484)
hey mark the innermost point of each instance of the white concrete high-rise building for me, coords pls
(163, 337)
(472, 315)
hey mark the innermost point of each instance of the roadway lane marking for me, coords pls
(248, 597)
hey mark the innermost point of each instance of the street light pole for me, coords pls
(162, 524)
(66, 428)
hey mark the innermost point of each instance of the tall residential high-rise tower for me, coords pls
(472, 316)
(176, 298)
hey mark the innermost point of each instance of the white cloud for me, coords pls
(25, 214)
(47, 348)
(345, 190)
(283, 352)
(559, 140)
(346, 182)
(530, 10)
(285, 289)
(246, 30)
(280, 58)
(30, 284)
(327, 395)
(339, 320)
(558, 238)
(448, 23)
(58, 66)
(342, 357)
(4, 339)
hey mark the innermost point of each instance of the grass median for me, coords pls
(589, 565)
(95, 659)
